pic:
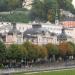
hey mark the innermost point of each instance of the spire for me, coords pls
(56, 18)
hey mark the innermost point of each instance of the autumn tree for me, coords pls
(65, 49)
(52, 50)
(43, 52)
(32, 51)
(35, 51)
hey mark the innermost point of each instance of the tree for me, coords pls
(46, 9)
(35, 51)
(6, 5)
(52, 50)
(13, 52)
(23, 51)
(40, 9)
(73, 48)
(13, 4)
(2, 51)
(3, 5)
(37, 10)
(65, 49)
(43, 53)
(65, 4)
(32, 50)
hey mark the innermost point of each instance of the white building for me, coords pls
(40, 35)
(52, 28)
(66, 13)
(23, 26)
(27, 4)
(49, 26)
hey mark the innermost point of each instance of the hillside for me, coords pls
(42, 10)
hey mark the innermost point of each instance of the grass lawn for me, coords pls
(63, 72)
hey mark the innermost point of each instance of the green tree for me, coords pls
(2, 51)
(13, 4)
(65, 4)
(3, 5)
(45, 10)
(72, 48)
(13, 52)
(6, 5)
(37, 10)
(40, 9)
(23, 51)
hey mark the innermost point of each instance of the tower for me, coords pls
(56, 18)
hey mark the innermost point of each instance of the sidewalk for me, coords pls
(33, 69)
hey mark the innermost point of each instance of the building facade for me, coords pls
(51, 29)
(40, 35)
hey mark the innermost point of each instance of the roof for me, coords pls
(68, 23)
(14, 30)
(62, 36)
(33, 31)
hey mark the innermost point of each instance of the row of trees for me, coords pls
(46, 9)
(6, 5)
(28, 52)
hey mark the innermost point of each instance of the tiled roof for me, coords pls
(68, 23)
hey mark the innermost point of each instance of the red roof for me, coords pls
(68, 23)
